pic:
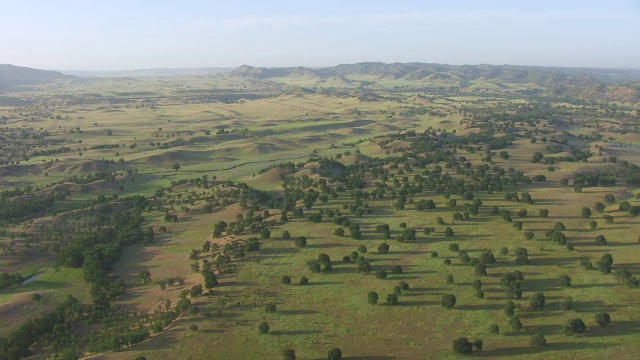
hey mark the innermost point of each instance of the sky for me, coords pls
(132, 34)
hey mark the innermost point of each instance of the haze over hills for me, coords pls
(545, 76)
(168, 72)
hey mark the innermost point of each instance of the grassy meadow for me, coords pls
(153, 133)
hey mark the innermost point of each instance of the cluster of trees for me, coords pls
(7, 279)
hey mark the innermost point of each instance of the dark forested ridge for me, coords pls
(12, 76)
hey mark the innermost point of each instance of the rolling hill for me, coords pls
(12, 76)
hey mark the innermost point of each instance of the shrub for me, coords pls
(288, 354)
(397, 290)
(450, 279)
(338, 232)
(495, 329)
(362, 248)
(476, 284)
(574, 326)
(263, 328)
(567, 303)
(478, 344)
(383, 248)
(504, 251)
(509, 308)
(304, 280)
(515, 323)
(334, 354)
(454, 247)
(286, 235)
(487, 257)
(286, 280)
(537, 340)
(462, 346)
(396, 269)
(603, 318)
(270, 308)
(448, 301)
(36, 297)
(403, 285)
(543, 213)
(564, 281)
(193, 327)
(522, 257)
(448, 232)
(301, 241)
(480, 269)
(392, 299)
(601, 240)
(372, 297)
(604, 265)
(446, 261)
(434, 254)
(537, 301)
(381, 274)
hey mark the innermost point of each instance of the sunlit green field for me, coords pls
(166, 133)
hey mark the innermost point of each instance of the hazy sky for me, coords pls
(116, 34)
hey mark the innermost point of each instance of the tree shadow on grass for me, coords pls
(320, 283)
(297, 312)
(404, 302)
(616, 328)
(294, 332)
(594, 306)
(480, 307)
(326, 246)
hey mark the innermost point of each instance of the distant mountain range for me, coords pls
(12, 76)
(583, 83)
(544, 76)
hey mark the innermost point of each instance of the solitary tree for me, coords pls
(574, 326)
(448, 301)
(509, 308)
(334, 354)
(601, 240)
(604, 265)
(372, 297)
(263, 328)
(567, 303)
(603, 318)
(462, 345)
(289, 354)
(537, 301)
(392, 299)
(478, 344)
(515, 323)
(383, 248)
(537, 340)
(564, 280)
(144, 276)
